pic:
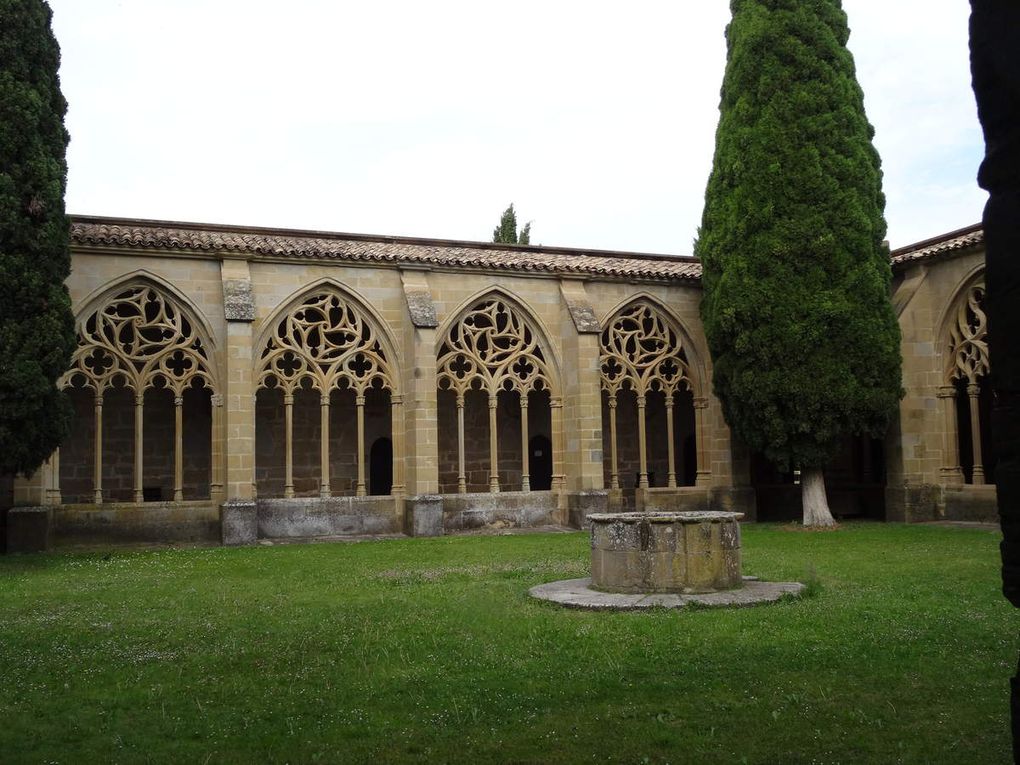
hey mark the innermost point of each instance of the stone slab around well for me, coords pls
(578, 593)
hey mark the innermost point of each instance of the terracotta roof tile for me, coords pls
(276, 243)
(954, 241)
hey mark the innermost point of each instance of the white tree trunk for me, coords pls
(816, 505)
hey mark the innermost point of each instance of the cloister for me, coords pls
(241, 383)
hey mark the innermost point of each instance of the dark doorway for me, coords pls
(380, 467)
(540, 463)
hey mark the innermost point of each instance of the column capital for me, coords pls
(701, 402)
(946, 391)
(396, 399)
(178, 400)
(216, 399)
(288, 398)
(973, 390)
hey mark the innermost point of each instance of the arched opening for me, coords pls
(540, 464)
(380, 476)
(648, 406)
(494, 396)
(141, 387)
(324, 398)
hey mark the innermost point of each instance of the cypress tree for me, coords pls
(36, 325)
(506, 231)
(796, 305)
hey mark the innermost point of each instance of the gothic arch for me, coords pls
(141, 334)
(963, 332)
(536, 345)
(643, 351)
(696, 380)
(326, 338)
(495, 345)
(964, 395)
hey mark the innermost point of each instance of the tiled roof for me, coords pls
(347, 248)
(954, 241)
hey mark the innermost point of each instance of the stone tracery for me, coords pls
(492, 348)
(141, 339)
(967, 365)
(326, 343)
(640, 351)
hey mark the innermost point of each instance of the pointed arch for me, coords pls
(494, 342)
(328, 336)
(963, 333)
(143, 333)
(644, 347)
(964, 394)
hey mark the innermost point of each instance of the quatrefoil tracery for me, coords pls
(494, 349)
(141, 339)
(640, 351)
(327, 344)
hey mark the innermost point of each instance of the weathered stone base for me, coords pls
(915, 503)
(239, 522)
(136, 523)
(328, 516)
(583, 503)
(577, 593)
(424, 515)
(28, 529)
(912, 503)
(971, 503)
(507, 509)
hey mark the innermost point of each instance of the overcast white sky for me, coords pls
(596, 119)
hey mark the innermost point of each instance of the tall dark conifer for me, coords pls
(804, 341)
(36, 325)
(506, 231)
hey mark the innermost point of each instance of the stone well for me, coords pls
(665, 552)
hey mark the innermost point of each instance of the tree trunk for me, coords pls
(816, 504)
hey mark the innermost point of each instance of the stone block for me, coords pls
(238, 523)
(28, 529)
(582, 503)
(424, 515)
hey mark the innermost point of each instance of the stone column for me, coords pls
(97, 472)
(525, 478)
(614, 478)
(359, 403)
(703, 477)
(671, 479)
(216, 450)
(559, 483)
(978, 474)
(178, 448)
(642, 444)
(139, 496)
(396, 420)
(950, 472)
(324, 490)
(493, 445)
(288, 447)
(461, 471)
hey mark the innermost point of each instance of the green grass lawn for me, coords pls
(430, 650)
